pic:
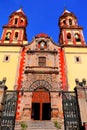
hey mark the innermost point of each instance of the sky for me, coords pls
(43, 15)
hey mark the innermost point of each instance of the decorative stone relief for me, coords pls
(47, 81)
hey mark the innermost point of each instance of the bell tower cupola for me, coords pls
(15, 31)
(70, 32)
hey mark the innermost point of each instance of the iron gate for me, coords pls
(9, 110)
(71, 111)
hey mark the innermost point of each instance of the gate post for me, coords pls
(2, 91)
(82, 102)
(54, 105)
(85, 125)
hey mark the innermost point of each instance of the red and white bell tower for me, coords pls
(70, 32)
(15, 31)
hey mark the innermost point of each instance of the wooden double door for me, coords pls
(41, 106)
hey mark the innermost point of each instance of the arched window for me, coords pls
(42, 61)
(70, 21)
(64, 22)
(7, 37)
(69, 36)
(77, 37)
(16, 35)
(21, 21)
(16, 20)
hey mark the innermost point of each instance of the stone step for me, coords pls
(37, 125)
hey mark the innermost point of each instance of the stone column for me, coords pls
(82, 102)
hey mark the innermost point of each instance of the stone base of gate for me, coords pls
(58, 117)
(26, 114)
(54, 113)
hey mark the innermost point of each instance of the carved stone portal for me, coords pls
(37, 84)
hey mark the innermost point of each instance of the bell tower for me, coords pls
(70, 32)
(15, 31)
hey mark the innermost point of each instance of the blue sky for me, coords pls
(43, 15)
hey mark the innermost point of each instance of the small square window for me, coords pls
(6, 58)
(78, 59)
(42, 61)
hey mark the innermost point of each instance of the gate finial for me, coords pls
(78, 83)
(3, 81)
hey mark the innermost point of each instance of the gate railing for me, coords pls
(71, 111)
(9, 110)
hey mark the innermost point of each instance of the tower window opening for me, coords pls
(42, 61)
(77, 37)
(8, 36)
(70, 21)
(68, 36)
(16, 20)
(21, 21)
(64, 22)
(16, 35)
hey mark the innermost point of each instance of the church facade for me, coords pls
(42, 69)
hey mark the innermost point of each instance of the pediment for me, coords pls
(42, 43)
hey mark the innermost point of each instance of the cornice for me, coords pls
(73, 46)
(42, 51)
(41, 72)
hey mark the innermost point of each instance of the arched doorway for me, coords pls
(41, 104)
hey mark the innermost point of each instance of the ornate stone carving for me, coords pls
(47, 81)
(40, 84)
(36, 84)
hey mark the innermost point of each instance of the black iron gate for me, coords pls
(9, 111)
(71, 111)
